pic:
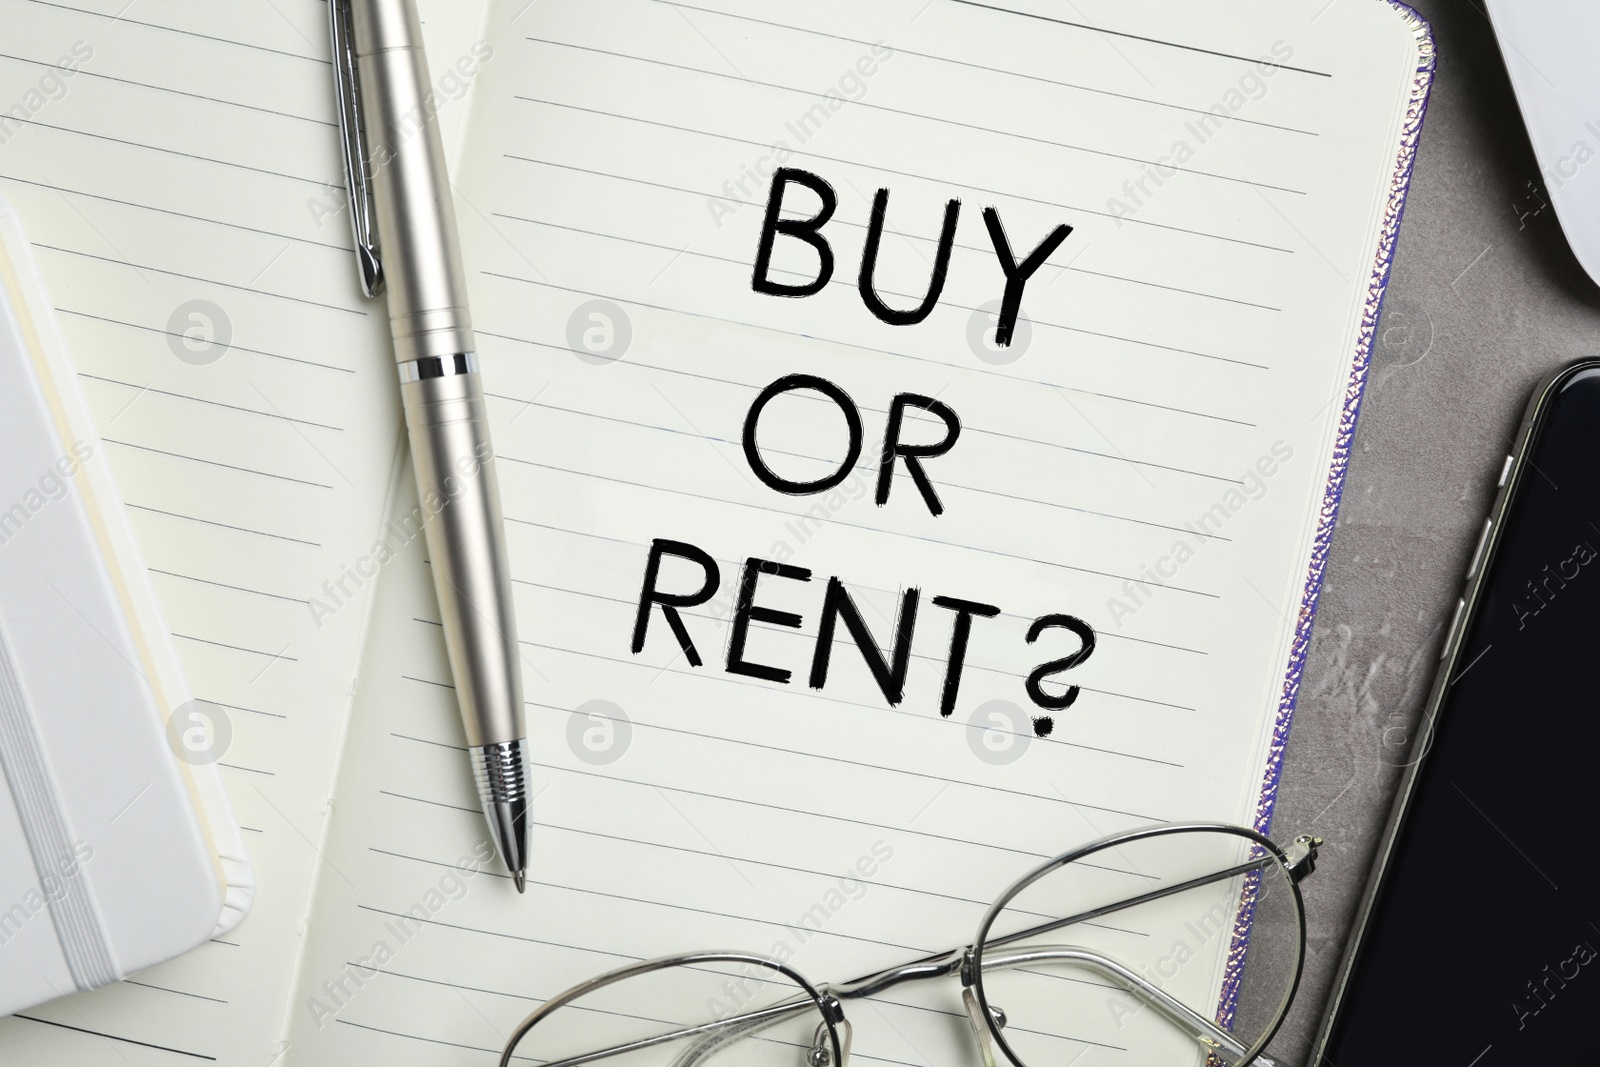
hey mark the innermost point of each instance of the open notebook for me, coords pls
(1158, 452)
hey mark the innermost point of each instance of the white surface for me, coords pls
(1550, 50)
(147, 863)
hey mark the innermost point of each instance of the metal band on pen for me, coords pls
(416, 370)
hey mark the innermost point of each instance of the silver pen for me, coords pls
(405, 237)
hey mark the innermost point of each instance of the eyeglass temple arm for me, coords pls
(1301, 861)
(1205, 1030)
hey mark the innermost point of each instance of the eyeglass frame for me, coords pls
(1298, 861)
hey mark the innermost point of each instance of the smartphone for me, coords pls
(1477, 943)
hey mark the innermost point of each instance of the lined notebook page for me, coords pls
(1151, 459)
(179, 184)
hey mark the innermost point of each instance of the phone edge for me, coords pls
(1537, 407)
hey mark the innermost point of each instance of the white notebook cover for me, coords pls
(115, 853)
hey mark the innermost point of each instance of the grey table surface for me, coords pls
(1486, 299)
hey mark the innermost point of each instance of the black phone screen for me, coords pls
(1483, 948)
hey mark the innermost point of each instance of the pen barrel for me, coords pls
(412, 204)
(460, 502)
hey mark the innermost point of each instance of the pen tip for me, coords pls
(521, 880)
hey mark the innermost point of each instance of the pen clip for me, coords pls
(352, 135)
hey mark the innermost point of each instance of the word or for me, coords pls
(51, 486)
(1251, 86)
(893, 448)
(1253, 486)
(851, 84)
(851, 886)
(51, 86)
(1554, 581)
(55, 885)
(451, 887)
(809, 230)
(1554, 981)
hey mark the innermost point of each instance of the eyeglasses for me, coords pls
(1179, 944)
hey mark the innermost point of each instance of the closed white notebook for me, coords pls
(1159, 453)
(117, 846)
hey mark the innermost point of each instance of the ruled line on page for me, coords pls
(217, 463)
(1132, 220)
(902, 477)
(175, 92)
(1239, 119)
(937, 120)
(192, 156)
(175, 992)
(755, 387)
(1053, 801)
(847, 223)
(649, 902)
(807, 695)
(789, 333)
(921, 359)
(208, 281)
(735, 564)
(892, 534)
(846, 642)
(913, 951)
(978, 904)
(248, 711)
(851, 284)
(226, 585)
(210, 403)
(224, 223)
(159, 332)
(1052, 740)
(744, 802)
(223, 525)
(878, 1000)
(968, 428)
(500, 934)
(122, 17)
(1136, 37)
(727, 679)
(116, 1037)
(237, 648)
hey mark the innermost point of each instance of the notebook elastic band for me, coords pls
(77, 922)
